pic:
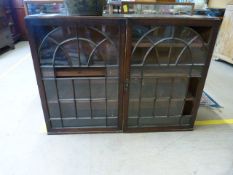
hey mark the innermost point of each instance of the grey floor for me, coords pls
(25, 149)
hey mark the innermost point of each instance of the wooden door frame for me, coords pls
(32, 23)
(165, 22)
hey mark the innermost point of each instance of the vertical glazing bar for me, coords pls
(73, 87)
(157, 54)
(106, 106)
(58, 100)
(187, 90)
(171, 96)
(191, 68)
(155, 49)
(77, 36)
(59, 105)
(169, 55)
(173, 31)
(155, 96)
(105, 88)
(171, 47)
(186, 95)
(140, 97)
(79, 60)
(89, 82)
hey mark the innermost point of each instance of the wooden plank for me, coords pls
(87, 72)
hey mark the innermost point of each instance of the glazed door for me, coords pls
(80, 67)
(165, 71)
(98, 74)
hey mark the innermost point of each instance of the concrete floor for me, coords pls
(26, 149)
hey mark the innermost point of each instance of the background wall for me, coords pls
(219, 3)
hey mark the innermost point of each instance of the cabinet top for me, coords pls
(43, 1)
(125, 16)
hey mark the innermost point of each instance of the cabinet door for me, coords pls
(80, 68)
(166, 67)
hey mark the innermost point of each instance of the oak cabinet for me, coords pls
(117, 73)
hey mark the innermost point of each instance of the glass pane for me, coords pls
(161, 108)
(85, 123)
(147, 108)
(50, 90)
(98, 88)
(65, 89)
(159, 121)
(132, 122)
(164, 88)
(54, 111)
(148, 88)
(67, 109)
(56, 123)
(185, 120)
(176, 108)
(112, 88)
(180, 86)
(199, 52)
(83, 109)
(169, 51)
(112, 71)
(133, 108)
(134, 90)
(82, 45)
(112, 108)
(71, 53)
(197, 71)
(98, 108)
(112, 122)
(47, 72)
(82, 89)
